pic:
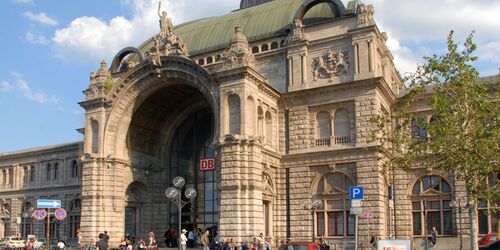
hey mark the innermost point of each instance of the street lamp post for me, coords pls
(316, 203)
(458, 204)
(174, 194)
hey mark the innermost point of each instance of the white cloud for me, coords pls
(94, 39)
(32, 2)
(23, 87)
(5, 86)
(41, 18)
(35, 38)
(424, 25)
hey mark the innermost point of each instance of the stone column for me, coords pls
(241, 214)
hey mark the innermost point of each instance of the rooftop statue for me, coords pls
(166, 26)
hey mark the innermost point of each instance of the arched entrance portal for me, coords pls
(171, 128)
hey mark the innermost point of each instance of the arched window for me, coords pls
(274, 45)
(251, 115)
(201, 61)
(74, 217)
(323, 128)
(433, 193)
(333, 218)
(260, 121)
(234, 105)
(255, 49)
(49, 171)
(95, 136)
(264, 47)
(342, 127)
(269, 128)
(210, 60)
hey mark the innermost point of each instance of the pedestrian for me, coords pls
(79, 237)
(151, 238)
(141, 244)
(91, 245)
(260, 242)
(434, 234)
(61, 245)
(323, 242)
(129, 244)
(190, 238)
(106, 236)
(373, 241)
(101, 244)
(232, 245)
(197, 236)
(183, 239)
(204, 240)
(166, 237)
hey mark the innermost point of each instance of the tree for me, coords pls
(464, 136)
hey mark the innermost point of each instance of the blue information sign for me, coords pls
(48, 203)
(356, 192)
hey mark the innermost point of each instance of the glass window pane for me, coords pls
(340, 223)
(447, 223)
(209, 186)
(433, 220)
(445, 187)
(351, 224)
(415, 205)
(482, 204)
(494, 221)
(483, 221)
(416, 188)
(334, 204)
(320, 223)
(417, 223)
(321, 186)
(446, 204)
(434, 204)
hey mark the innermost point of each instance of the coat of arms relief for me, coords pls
(330, 65)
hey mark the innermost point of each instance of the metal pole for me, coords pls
(356, 233)
(313, 229)
(460, 224)
(426, 245)
(47, 234)
(180, 218)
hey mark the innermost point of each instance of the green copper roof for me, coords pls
(258, 22)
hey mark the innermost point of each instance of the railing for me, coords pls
(326, 142)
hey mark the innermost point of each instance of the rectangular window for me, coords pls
(434, 220)
(494, 221)
(417, 223)
(483, 221)
(11, 178)
(25, 175)
(447, 223)
(336, 223)
(320, 223)
(56, 170)
(32, 174)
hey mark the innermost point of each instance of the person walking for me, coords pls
(101, 244)
(190, 238)
(151, 239)
(90, 246)
(204, 240)
(373, 241)
(183, 239)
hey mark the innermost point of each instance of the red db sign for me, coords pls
(207, 164)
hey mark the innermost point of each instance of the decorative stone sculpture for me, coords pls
(238, 54)
(166, 27)
(297, 30)
(331, 65)
(153, 55)
(167, 42)
(98, 81)
(365, 14)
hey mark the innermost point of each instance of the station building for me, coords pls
(279, 94)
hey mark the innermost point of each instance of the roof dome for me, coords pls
(250, 3)
(264, 20)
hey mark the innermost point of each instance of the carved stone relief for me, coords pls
(238, 54)
(330, 65)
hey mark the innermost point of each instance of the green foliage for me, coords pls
(108, 84)
(464, 136)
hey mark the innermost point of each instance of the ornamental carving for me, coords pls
(365, 14)
(98, 82)
(238, 54)
(331, 65)
(297, 32)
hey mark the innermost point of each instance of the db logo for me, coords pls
(207, 164)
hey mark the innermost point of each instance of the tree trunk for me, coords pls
(472, 207)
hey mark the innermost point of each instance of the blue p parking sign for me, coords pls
(356, 193)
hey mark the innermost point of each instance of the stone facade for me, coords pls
(288, 121)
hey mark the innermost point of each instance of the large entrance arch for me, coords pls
(147, 129)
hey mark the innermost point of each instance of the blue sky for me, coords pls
(50, 47)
